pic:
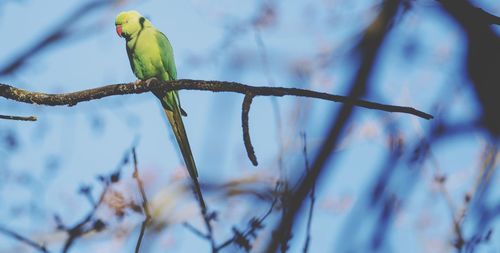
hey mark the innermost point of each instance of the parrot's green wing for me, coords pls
(167, 58)
(167, 55)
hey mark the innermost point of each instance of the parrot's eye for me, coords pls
(126, 21)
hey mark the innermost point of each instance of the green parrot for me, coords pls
(151, 56)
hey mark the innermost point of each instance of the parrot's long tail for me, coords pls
(175, 119)
(174, 116)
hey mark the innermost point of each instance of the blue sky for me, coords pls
(68, 147)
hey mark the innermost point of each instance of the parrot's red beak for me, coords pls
(119, 30)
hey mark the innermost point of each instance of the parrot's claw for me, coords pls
(137, 82)
(148, 82)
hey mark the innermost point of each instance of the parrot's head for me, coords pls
(129, 23)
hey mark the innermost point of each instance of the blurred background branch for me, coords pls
(64, 31)
(483, 57)
(21, 118)
(368, 50)
(22, 239)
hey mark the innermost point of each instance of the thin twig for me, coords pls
(195, 230)
(459, 240)
(247, 102)
(82, 227)
(79, 229)
(256, 224)
(33, 244)
(73, 98)
(312, 196)
(145, 204)
(207, 217)
(440, 180)
(86, 191)
(21, 118)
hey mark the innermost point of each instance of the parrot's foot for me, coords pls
(137, 82)
(148, 82)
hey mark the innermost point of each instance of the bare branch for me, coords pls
(35, 245)
(247, 102)
(74, 98)
(21, 118)
(154, 84)
(145, 204)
